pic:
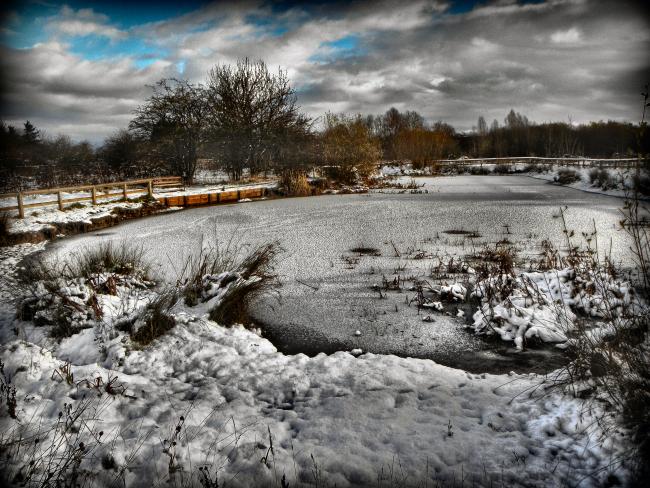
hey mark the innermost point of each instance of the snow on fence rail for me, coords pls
(71, 194)
(624, 162)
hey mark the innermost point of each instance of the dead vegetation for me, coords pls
(366, 250)
(155, 319)
(257, 279)
(566, 176)
(236, 274)
(294, 183)
(5, 225)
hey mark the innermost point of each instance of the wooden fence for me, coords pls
(616, 162)
(96, 192)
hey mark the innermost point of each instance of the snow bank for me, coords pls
(619, 184)
(354, 416)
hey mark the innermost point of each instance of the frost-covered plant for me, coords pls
(67, 295)
(7, 392)
(567, 176)
(546, 305)
(62, 454)
(155, 319)
(601, 178)
(5, 224)
(225, 279)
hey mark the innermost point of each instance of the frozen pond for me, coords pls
(326, 290)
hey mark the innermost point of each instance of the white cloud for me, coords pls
(532, 57)
(569, 36)
(83, 22)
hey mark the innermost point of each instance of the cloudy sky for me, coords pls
(80, 68)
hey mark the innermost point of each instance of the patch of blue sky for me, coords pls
(97, 48)
(344, 47)
(27, 26)
(268, 25)
(24, 29)
(143, 63)
(129, 13)
(464, 6)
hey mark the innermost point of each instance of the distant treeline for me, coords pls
(246, 117)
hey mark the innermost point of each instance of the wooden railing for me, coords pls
(95, 192)
(615, 162)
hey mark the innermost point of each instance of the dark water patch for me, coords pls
(470, 234)
(498, 357)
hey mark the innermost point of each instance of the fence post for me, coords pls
(124, 191)
(21, 209)
(150, 188)
(59, 198)
(94, 195)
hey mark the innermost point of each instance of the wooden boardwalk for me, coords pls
(225, 196)
(95, 192)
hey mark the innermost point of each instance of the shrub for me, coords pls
(533, 168)
(567, 176)
(155, 320)
(235, 275)
(346, 175)
(258, 279)
(641, 183)
(5, 225)
(294, 183)
(501, 169)
(601, 178)
(479, 170)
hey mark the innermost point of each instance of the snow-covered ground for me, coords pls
(224, 399)
(203, 398)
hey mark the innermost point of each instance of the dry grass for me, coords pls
(252, 276)
(156, 319)
(294, 183)
(259, 279)
(5, 225)
(613, 365)
(567, 176)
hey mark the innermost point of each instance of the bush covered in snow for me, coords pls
(546, 305)
(567, 176)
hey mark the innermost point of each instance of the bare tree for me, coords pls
(348, 144)
(174, 120)
(254, 119)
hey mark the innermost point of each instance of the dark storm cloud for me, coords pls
(550, 60)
